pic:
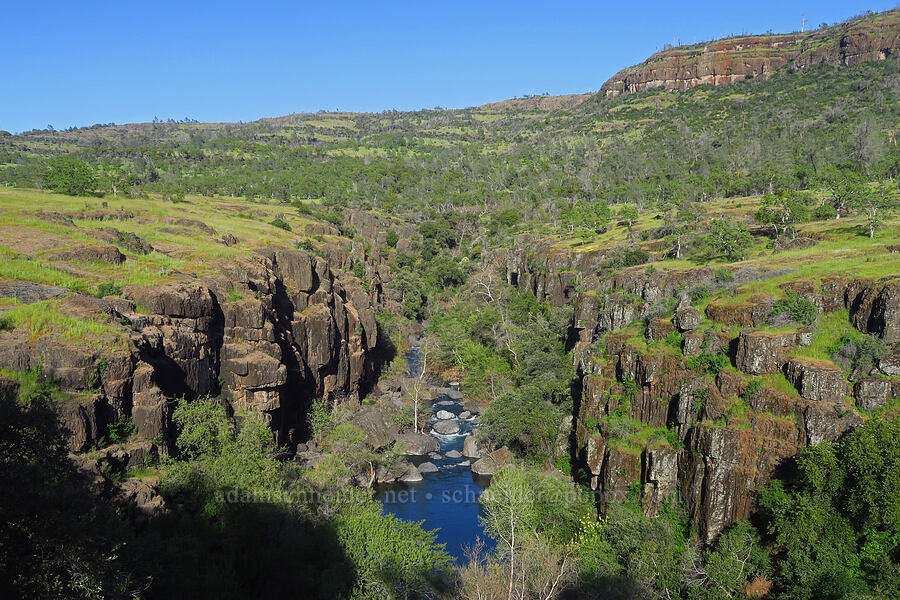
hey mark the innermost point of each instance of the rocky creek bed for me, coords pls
(442, 491)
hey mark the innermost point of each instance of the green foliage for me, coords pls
(280, 224)
(520, 502)
(833, 525)
(393, 558)
(802, 310)
(70, 176)
(783, 210)
(708, 362)
(731, 239)
(724, 276)
(391, 238)
(118, 432)
(108, 289)
(320, 419)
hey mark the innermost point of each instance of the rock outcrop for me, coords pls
(268, 334)
(864, 39)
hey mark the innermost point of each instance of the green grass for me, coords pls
(828, 330)
(41, 318)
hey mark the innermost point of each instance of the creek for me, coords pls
(446, 500)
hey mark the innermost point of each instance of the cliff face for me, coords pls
(302, 333)
(865, 39)
(653, 422)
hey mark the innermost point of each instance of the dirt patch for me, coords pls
(30, 242)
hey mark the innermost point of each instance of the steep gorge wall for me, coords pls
(267, 335)
(866, 39)
(649, 424)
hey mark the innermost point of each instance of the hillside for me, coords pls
(667, 315)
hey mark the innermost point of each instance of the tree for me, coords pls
(844, 186)
(784, 209)
(876, 205)
(628, 214)
(732, 240)
(70, 176)
(679, 221)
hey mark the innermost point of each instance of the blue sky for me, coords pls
(80, 63)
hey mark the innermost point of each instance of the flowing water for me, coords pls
(448, 499)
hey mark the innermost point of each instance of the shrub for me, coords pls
(801, 309)
(706, 361)
(724, 276)
(281, 224)
(391, 238)
(108, 289)
(320, 420)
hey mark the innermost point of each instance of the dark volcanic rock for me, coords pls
(817, 380)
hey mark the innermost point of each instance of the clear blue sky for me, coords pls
(80, 63)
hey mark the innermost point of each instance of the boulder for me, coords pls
(412, 475)
(692, 343)
(659, 328)
(470, 447)
(90, 252)
(465, 414)
(493, 462)
(428, 467)
(444, 414)
(872, 392)
(448, 427)
(817, 380)
(417, 444)
(378, 427)
(687, 318)
(762, 352)
(453, 454)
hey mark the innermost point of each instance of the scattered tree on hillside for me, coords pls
(732, 240)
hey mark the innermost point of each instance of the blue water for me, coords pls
(447, 500)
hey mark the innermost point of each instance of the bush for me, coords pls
(70, 176)
(801, 309)
(281, 224)
(724, 276)
(706, 361)
(108, 289)
(824, 212)
(391, 238)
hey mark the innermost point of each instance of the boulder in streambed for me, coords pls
(412, 475)
(448, 427)
(453, 454)
(493, 462)
(435, 456)
(465, 414)
(470, 447)
(444, 414)
(417, 444)
(428, 467)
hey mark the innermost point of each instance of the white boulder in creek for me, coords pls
(453, 454)
(444, 415)
(447, 427)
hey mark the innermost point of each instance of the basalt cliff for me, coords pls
(641, 346)
(864, 39)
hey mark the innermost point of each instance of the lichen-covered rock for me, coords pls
(762, 352)
(658, 328)
(687, 318)
(417, 444)
(872, 392)
(817, 380)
